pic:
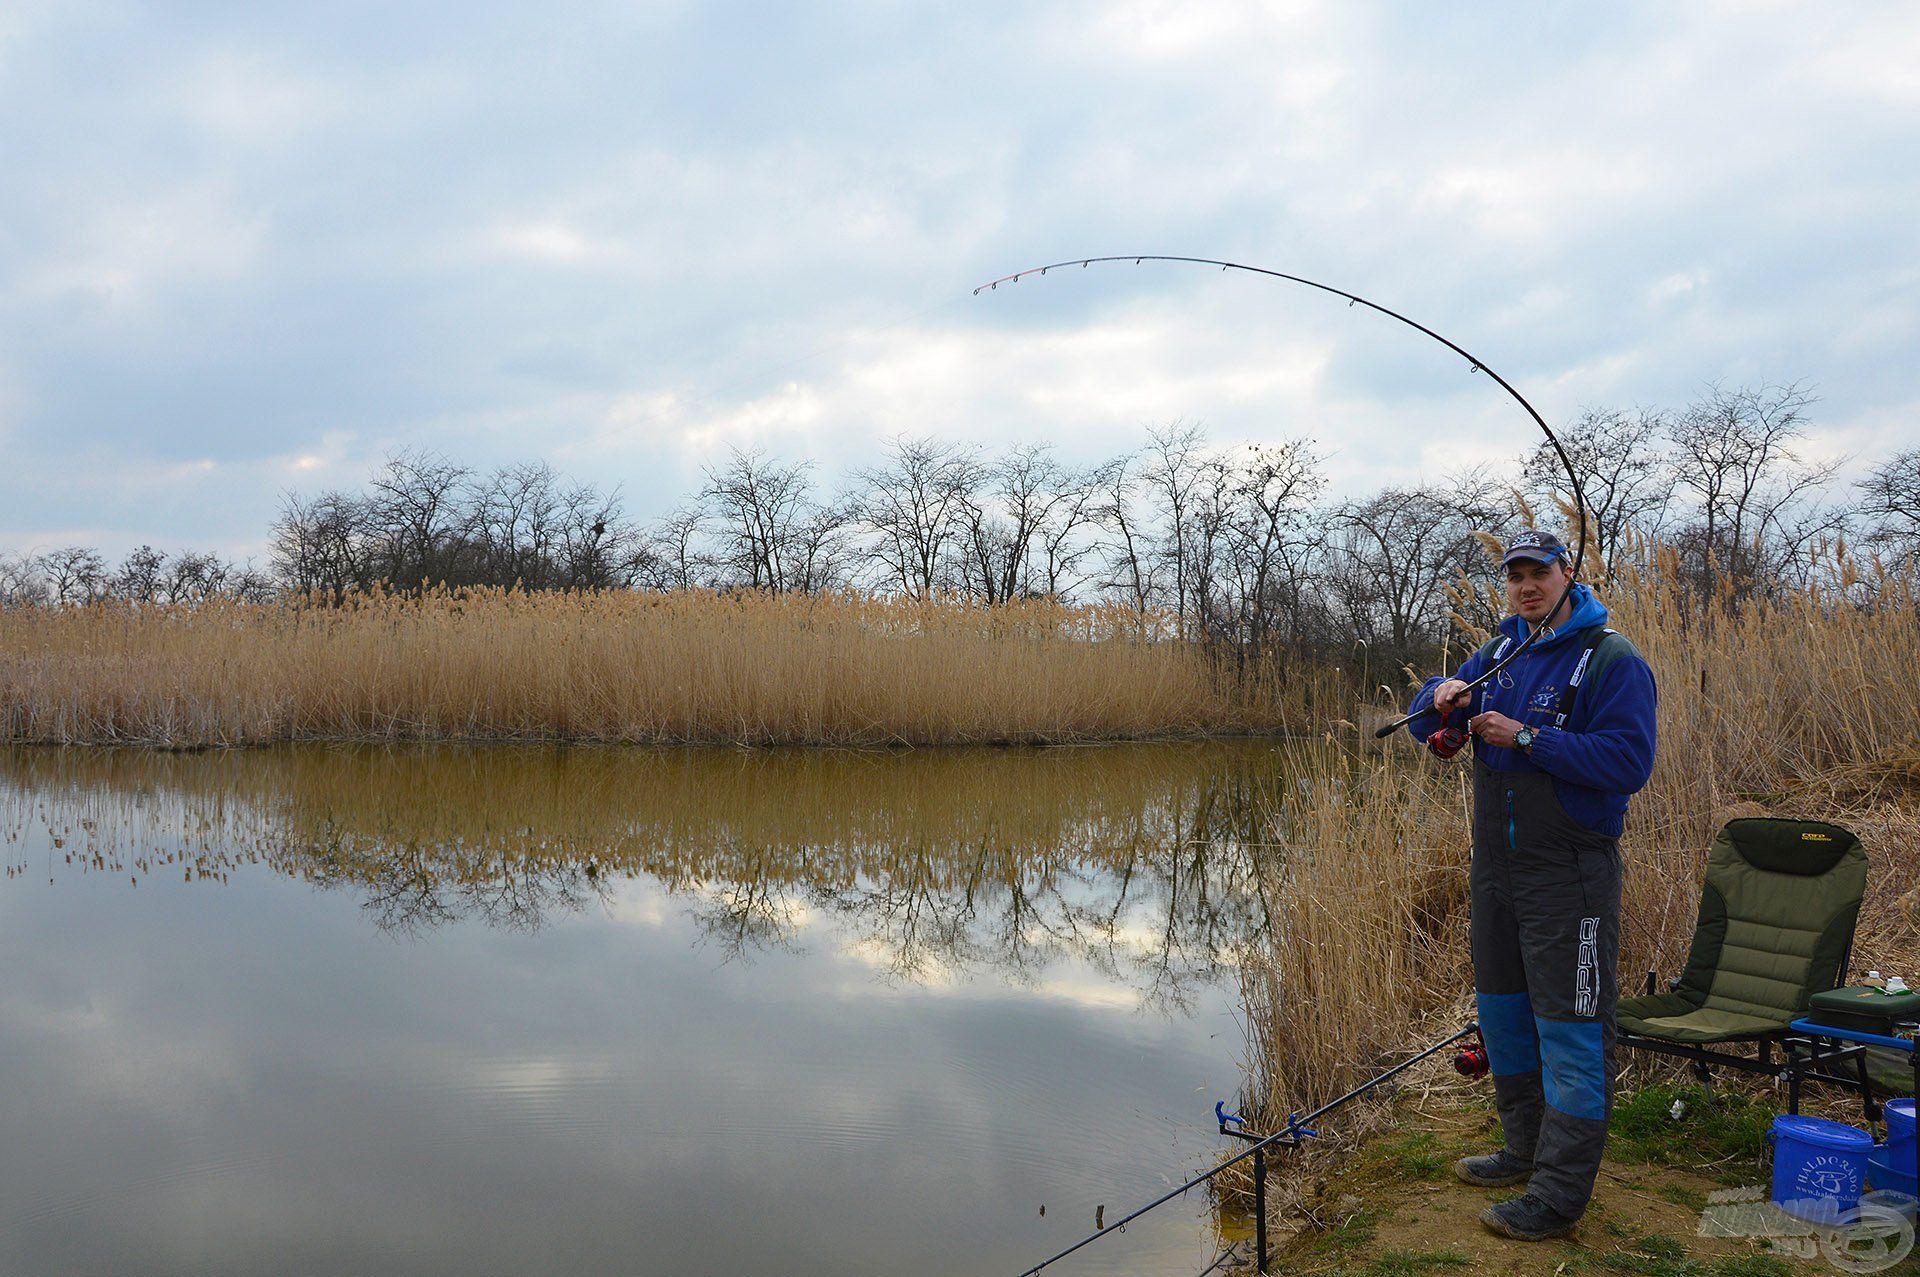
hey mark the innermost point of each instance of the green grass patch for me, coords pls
(1714, 1126)
(1349, 1235)
(1680, 1195)
(1753, 1266)
(1658, 1256)
(1411, 1263)
(1654, 1256)
(1412, 1156)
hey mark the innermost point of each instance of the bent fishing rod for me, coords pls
(1475, 364)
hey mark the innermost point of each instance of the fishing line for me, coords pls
(1475, 364)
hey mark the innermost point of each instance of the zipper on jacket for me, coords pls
(1510, 837)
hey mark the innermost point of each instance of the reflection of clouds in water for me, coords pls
(1089, 993)
(635, 903)
(215, 1077)
(922, 866)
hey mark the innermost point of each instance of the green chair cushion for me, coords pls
(1671, 1017)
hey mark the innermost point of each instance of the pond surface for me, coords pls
(322, 1010)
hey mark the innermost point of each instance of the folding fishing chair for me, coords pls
(1776, 924)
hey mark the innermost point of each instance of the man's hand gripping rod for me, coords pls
(1476, 365)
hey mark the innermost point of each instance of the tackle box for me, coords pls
(1867, 1009)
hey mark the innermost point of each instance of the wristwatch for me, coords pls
(1525, 737)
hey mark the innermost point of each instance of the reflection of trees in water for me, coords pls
(1159, 900)
(410, 889)
(1133, 859)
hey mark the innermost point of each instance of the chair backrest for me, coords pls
(1776, 916)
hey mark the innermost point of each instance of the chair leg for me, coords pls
(1867, 1105)
(1702, 1072)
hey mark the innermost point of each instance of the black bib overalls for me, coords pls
(1546, 937)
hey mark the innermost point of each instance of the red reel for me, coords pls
(1471, 1062)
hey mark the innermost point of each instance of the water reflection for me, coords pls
(1132, 859)
(820, 1014)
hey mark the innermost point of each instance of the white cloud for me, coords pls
(1676, 286)
(122, 255)
(551, 241)
(248, 96)
(1878, 59)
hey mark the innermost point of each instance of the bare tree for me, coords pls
(672, 559)
(1021, 529)
(1273, 535)
(420, 517)
(192, 577)
(1733, 451)
(594, 546)
(1891, 503)
(139, 575)
(22, 584)
(823, 552)
(759, 506)
(1626, 475)
(74, 574)
(1128, 565)
(513, 517)
(912, 505)
(1068, 532)
(1174, 463)
(327, 544)
(1394, 554)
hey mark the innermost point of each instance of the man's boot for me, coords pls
(1494, 1170)
(1527, 1219)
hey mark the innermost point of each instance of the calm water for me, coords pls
(437, 1010)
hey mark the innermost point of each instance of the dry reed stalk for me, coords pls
(630, 667)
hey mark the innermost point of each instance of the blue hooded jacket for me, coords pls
(1604, 754)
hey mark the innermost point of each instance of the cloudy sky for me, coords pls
(247, 248)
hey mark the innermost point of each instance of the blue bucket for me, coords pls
(1819, 1166)
(1899, 1114)
(1891, 1165)
(1884, 1170)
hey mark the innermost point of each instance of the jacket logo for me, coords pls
(1544, 698)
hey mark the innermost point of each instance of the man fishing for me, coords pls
(1562, 738)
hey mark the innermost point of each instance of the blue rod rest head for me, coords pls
(1221, 1115)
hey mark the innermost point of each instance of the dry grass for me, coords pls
(610, 667)
(1806, 707)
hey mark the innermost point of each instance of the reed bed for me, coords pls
(616, 666)
(1805, 706)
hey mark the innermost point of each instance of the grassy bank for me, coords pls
(1803, 707)
(618, 666)
(1385, 1202)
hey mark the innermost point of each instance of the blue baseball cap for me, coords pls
(1541, 547)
